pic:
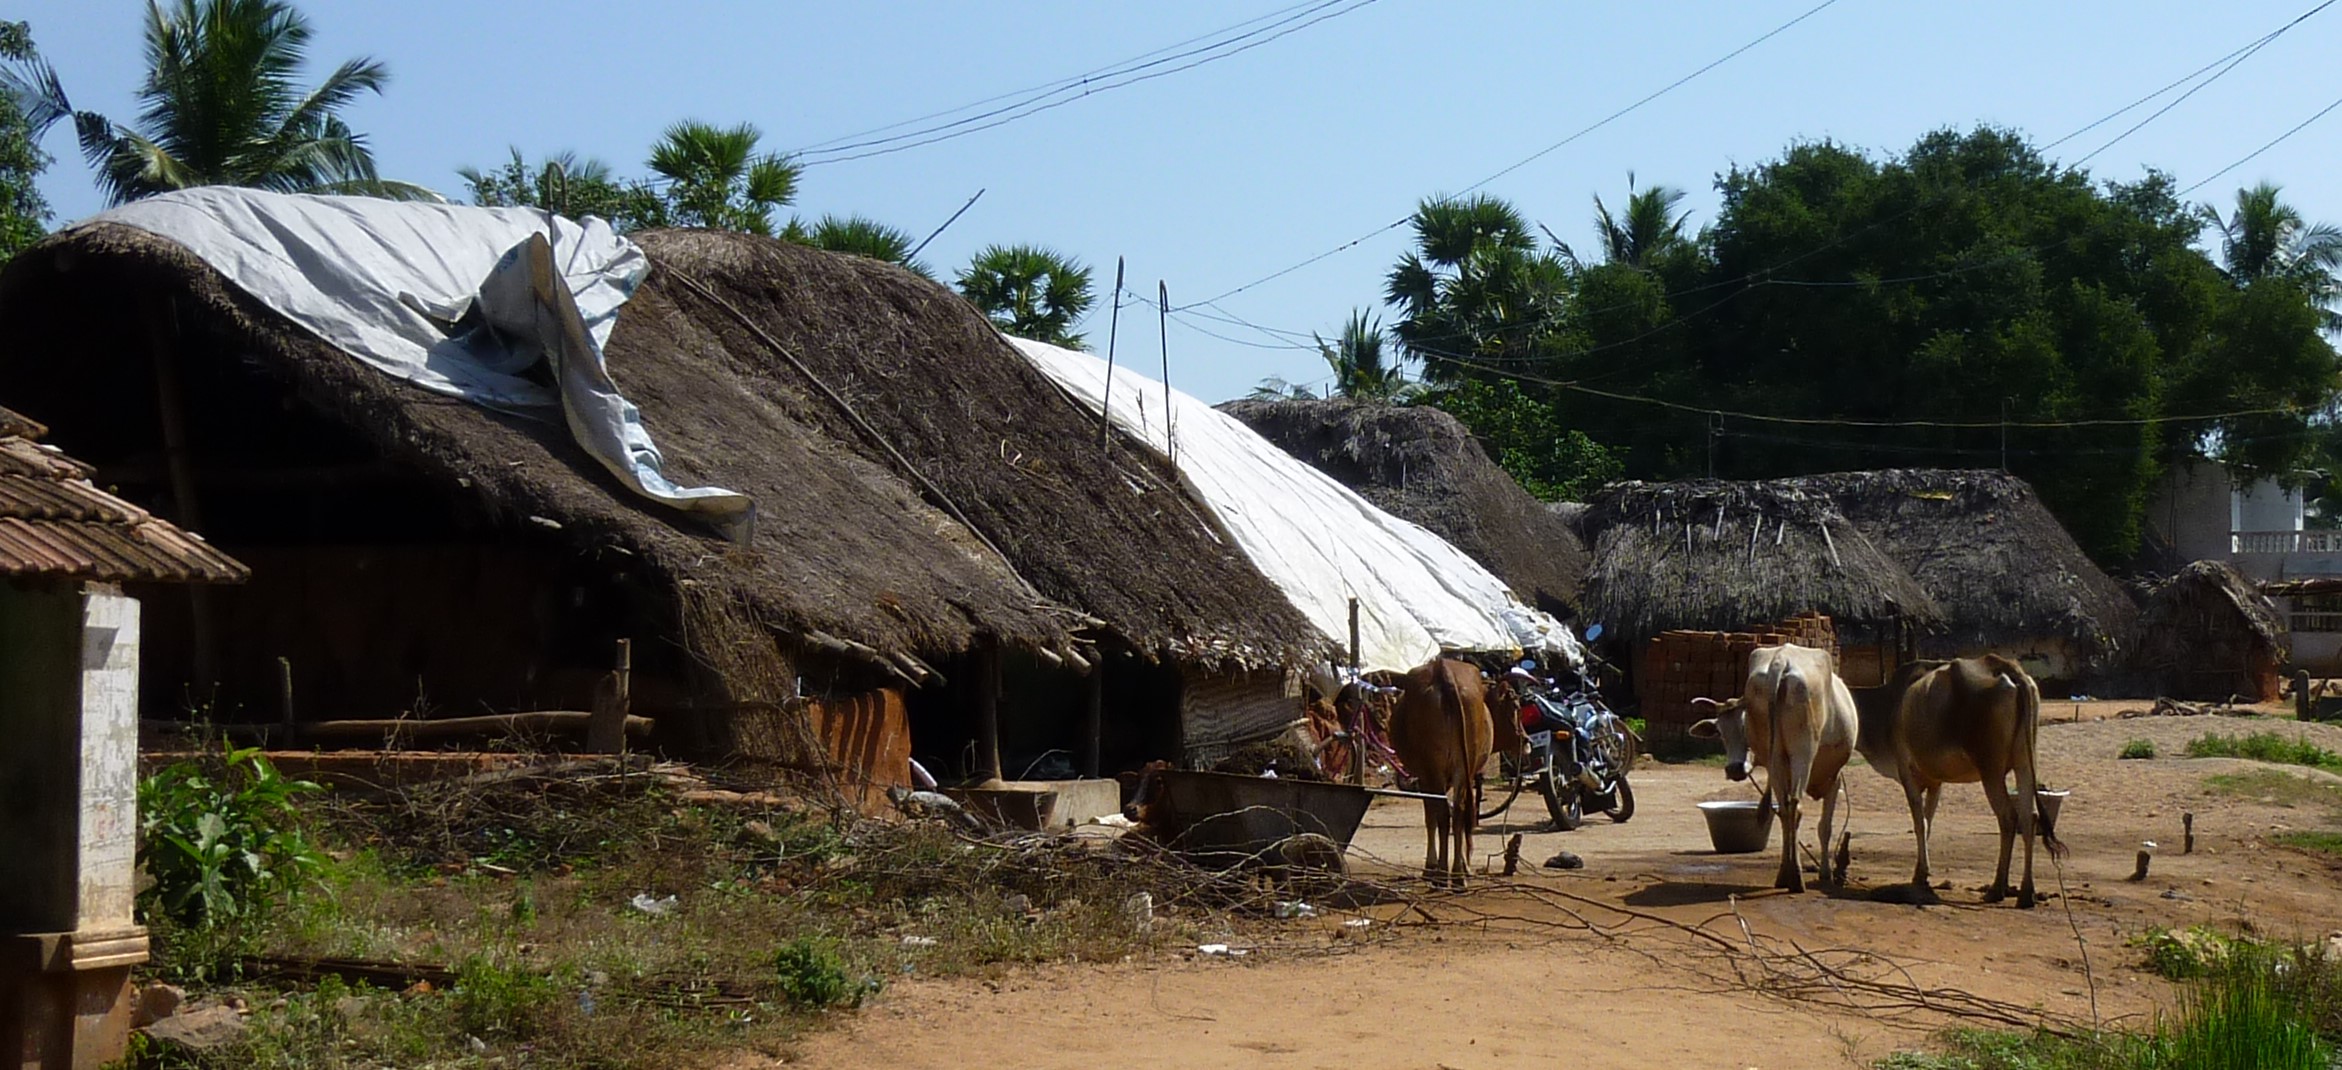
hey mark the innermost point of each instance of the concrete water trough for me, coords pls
(1224, 818)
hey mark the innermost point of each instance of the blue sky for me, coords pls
(1213, 177)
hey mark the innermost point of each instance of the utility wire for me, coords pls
(1057, 85)
(2273, 143)
(1764, 275)
(1531, 158)
(2199, 87)
(1328, 9)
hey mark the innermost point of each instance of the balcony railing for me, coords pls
(2285, 542)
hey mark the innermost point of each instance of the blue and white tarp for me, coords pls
(457, 300)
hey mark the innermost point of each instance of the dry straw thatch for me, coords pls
(1717, 555)
(2002, 569)
(2208, 635)
(1420, 464)
(847, 544)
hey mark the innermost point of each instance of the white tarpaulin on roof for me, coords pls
(1317, 540)
(457, 300)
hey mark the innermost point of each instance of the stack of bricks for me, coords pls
(1679, 666)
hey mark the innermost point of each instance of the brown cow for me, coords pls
(1442, 735)
(1966, 721)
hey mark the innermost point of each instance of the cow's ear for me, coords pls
(1704, 729)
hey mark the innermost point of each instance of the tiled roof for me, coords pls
(55, 522)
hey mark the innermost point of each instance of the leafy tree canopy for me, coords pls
(24, 213)
(221, 105)
(1967, 280)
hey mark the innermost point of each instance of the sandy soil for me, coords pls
(1522, 987)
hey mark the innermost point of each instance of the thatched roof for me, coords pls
(1991, 555)
(2208, 634)
(1712, 554)
(846, 543)
(1421, 465)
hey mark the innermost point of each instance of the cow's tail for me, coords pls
(1463, 793)
(1777, 763)
(2026, 746)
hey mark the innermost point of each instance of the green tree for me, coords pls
(24, 213)
(1029, 292)
(1356, 359)
(858, 236)
(569, 186)
(2265, 238)
(1651, 226)
(220, 106)
(1477, 292)
(716, 178)
(1525, 438)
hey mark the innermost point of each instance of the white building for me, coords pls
(2204, 514)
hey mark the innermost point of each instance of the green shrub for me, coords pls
(2186, 954)
(2239, 1019)
(2264, 747)
(493, 1000)
(2138, 748)
(223, 843)
(812, 975)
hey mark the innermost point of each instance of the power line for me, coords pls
(2272, 143)
(2199, 87)
(1764, 275)
(1531, 158)
(1071, 80)
(1840, 421)
(1011, 113)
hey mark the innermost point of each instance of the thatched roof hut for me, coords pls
(1716, 555)
(398, 535)
(2003, 570)
(1421, 465)
(2208, 634)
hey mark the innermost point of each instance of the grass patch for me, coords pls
(2325, 843)
(2138, 748)
(2265, 747)
(2277, 787)
(2260, 1007)
(547, 902)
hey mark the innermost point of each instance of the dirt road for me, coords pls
(1520, 985)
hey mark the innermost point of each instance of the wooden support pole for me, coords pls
(284, 672)
(1362, 712)
(987, 684)
(1094, 730)
(161, 330)
(1106, 393)
(606, 733)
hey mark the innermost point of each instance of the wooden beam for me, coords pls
(534, 723)
(161, 331)
(606, 733)
(987, 684)
(1094, 719)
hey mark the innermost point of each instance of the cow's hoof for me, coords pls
(2026, 900)
(1995, 895)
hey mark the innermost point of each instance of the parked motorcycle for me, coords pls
(1577, 756)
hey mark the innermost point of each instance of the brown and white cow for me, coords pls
(1970, 720)
(1795, 719)
(1441, 733)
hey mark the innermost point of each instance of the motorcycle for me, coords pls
(1577, 754)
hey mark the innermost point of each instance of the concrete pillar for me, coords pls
(68, 824)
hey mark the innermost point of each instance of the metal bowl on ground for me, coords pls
(1737, 828)
(2050, 803)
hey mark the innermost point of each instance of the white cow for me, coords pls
(1795, 719)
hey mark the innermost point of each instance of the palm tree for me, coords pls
(2266, 238)
(566, 184)
(1476, 287)
(1357, 362)
(1029, 292)
(1649, 227)
(858, 236)
(718, 180)
(1278, 388)
(220, 107)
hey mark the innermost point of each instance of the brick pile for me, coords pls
(1679, 666)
